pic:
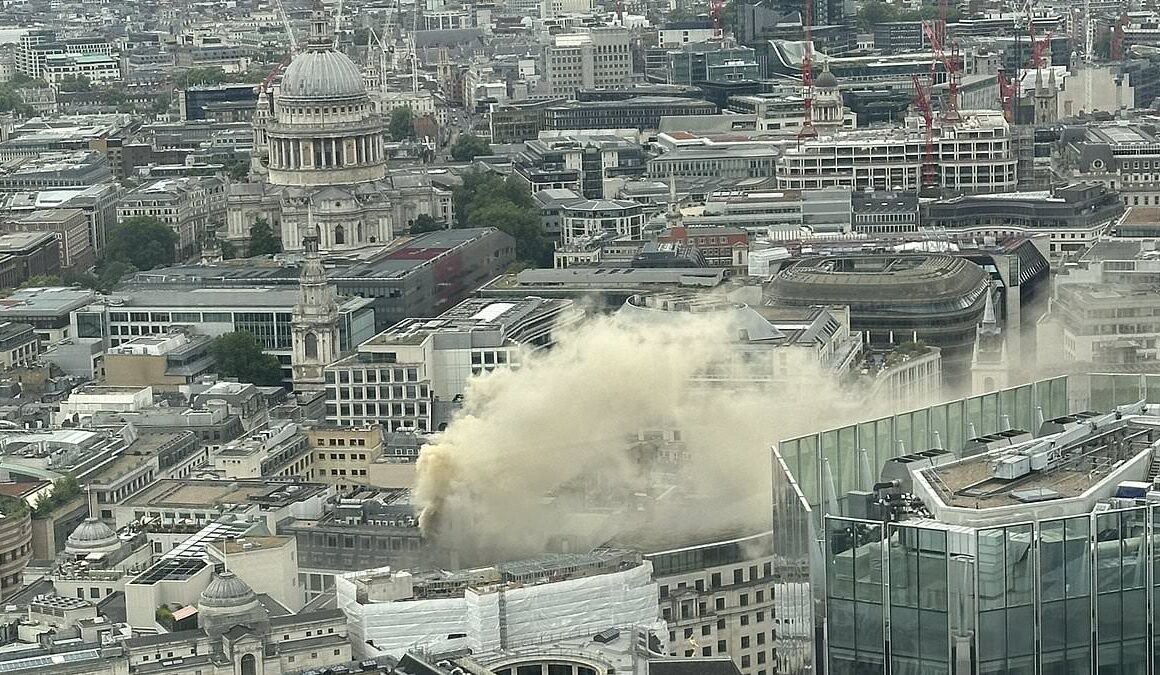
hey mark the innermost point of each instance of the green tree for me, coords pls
(401, 124)
(425, 223)
(240, 355)
(238, 170)
(42, 280)
(75, 83)
(194, 77)
(142, 242)
(468, 146)
(63, 490)
(229, 251)
(875, 12)
(110, 273)
(82, 279)
(164, 616)
(486, 199)
(262, 239)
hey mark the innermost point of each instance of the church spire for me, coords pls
(315, 318)
(673, 218)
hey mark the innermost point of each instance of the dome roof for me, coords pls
(826, 80)
(226, 590)
(321, 74)
(91, 533)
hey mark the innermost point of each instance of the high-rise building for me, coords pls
(596, 58)
(971, 156)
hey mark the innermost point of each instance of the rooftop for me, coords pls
(176, 493)
(1080, 455)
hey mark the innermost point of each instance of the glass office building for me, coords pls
(1060, 578)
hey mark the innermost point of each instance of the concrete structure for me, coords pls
(591, 219)
(495, 608)
(186, 205)
(70, 228)
(718, 598)
(344, 456)
(37, 46)
(1073, 216)
(15, 544)
(19, 345)
(164, 362)
(598, 57)
(973, 156)
(265, 311)
(24, 255)
(422, 366)
(896, 299)
(316, 342)
(61, 68)
(422, 276)
(280, 450)
(268, 565)
(48, 310)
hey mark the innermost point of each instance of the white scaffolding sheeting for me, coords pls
(533, 613)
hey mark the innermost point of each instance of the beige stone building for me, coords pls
(164, 362)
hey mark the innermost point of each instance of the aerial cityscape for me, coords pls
(580, 337)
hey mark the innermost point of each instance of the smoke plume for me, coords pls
(553, 455)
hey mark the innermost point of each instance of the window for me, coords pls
(738, 576)
(720, 624)
(744, 619)
(721, 646)
(719, 603)
(705, 630)
(745, 642)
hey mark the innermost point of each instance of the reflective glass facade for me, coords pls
(1054, 596)
(1067, 596)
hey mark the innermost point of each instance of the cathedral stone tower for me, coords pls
(315, 322)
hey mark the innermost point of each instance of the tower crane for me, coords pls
(808, 130)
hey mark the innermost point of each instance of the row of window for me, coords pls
(420, 409)
(373, 376)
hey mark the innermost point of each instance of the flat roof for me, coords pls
(170, 493)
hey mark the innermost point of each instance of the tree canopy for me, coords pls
(141, 241)
(469, 146)
(262, 239)
(401, 124)
(425, 223)
(75, 83)
(63, 490)
(874, 12)
(212, 75)
(486, 199)
(240, 355)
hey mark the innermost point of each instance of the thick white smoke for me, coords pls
(565, 424)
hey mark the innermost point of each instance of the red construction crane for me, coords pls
(716, 9)
(935, 34)
(1038, 45)
(808, 130)
(922, 100)
(1117, 46)
(1007, 96)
